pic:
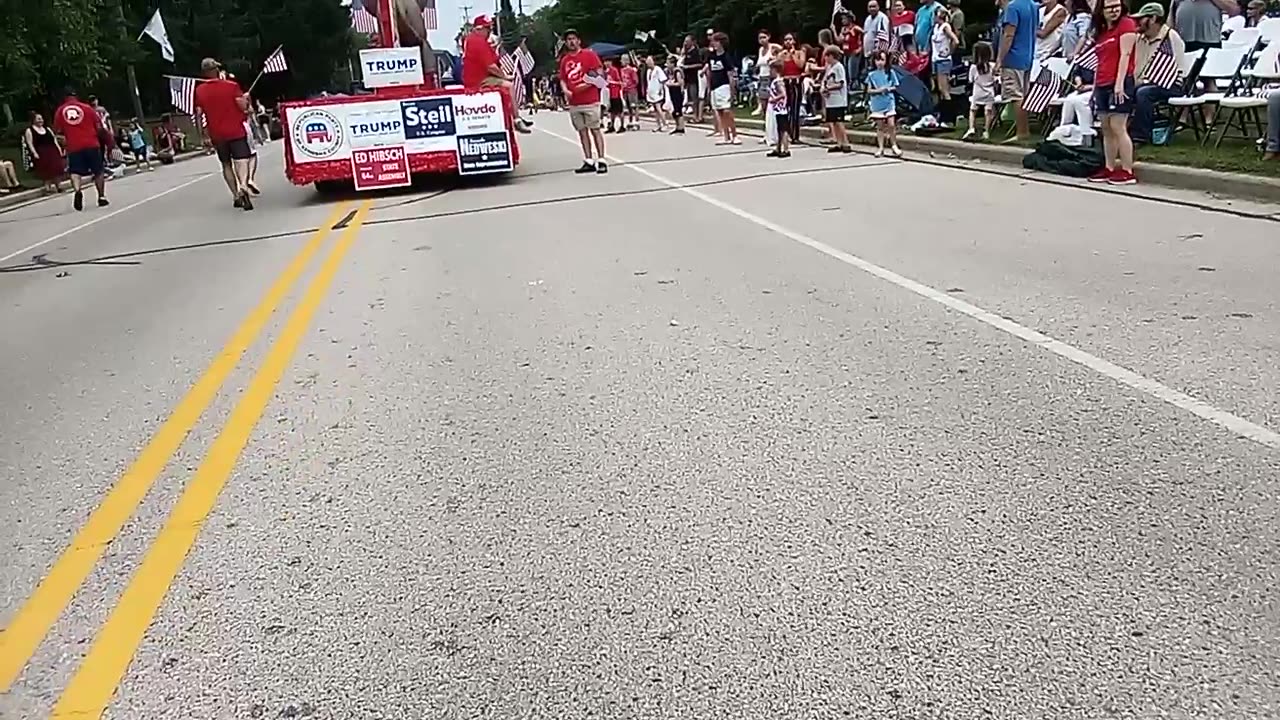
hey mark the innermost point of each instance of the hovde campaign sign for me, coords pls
(389, 67)
(433, 123)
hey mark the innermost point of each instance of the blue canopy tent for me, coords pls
(608, 50)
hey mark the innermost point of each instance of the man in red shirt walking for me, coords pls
(481, 67)
(581, 79)
(224, 107)
(82, 132)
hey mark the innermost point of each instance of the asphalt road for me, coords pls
(711, 436)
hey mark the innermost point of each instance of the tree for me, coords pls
(508, 26)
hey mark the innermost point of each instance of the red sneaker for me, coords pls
(1123, 177)
(1103, 175)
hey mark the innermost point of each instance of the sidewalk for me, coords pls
(1184, 178)
(29, 197)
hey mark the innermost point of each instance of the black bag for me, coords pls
(1053, 157)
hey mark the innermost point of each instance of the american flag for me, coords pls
(363, 22)
(276, 63)
(517, 64)
(1162, 69)
(882, 39)
(1042, 91)
(429, 18)
(182, 93)
(896, 50)
(1087, 59)
(837, 8)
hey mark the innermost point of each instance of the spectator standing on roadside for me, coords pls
(852, 39)
(77, 122)
(875, 32)
(1049, 35)
(581, 76)
(982, 91)
(1116, 36)
(957, 21)
(613, 74)
(691, 64)
(779, 112)
(48, 160)
(1076, 28)
(881, 105)
(675, 93)
(835, 98)
(902, 21)
(1018, 25)
(656, 92)
(631, 92)
(224, 107)
(720, 80)
(924, 23)
(1148, 95)
(942, 42)
(793, 61)
(1199, 22)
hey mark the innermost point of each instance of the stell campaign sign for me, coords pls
(431, 123)
(390, 67)
(380, 168)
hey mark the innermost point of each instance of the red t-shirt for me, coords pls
(615, 83)
(630, 78)
(478, 56)
(852, 39)
(78, 123)
(1109, 52)
(574, 68)
(217, 100)
(906, 17)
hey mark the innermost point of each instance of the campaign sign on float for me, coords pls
(428, 117)
(484, 153)
(391, 67)
(386, 167)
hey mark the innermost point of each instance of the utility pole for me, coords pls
(130, 75)
(466, 13)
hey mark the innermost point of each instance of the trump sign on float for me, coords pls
(391, 67)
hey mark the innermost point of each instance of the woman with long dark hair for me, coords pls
(1116, 35)
(793, 61)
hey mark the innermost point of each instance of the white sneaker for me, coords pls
(968, 134)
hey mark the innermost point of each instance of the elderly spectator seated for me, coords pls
(8, 177)
(1151, 89)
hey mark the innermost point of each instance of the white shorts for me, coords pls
(721, 98)
(882, 115)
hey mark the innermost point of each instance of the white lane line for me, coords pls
(1238, 425)
(99, 218)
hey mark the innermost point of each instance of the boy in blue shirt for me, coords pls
(881, 105)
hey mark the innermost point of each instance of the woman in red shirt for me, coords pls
(1115, 34)
(793, 61)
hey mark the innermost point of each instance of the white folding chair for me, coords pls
(1232, 24)
(1244, 36)
(1224, 63)
(1269, 29)
(1245, 102)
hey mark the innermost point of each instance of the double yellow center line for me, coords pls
(93, 685)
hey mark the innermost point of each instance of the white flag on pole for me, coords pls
(155, 28)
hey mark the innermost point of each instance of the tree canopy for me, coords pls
(87, 43)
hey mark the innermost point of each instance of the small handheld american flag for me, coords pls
(363, 22)
(276, 63)
(1087, 59)
(514, 64)
(182, 93)
(429, 18)
(1042, 91)
(1162, 69)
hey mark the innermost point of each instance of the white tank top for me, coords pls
(764, 57)
(941, 43)
(1047, 46)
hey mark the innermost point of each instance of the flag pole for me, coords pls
(130, 75)
(264, 67)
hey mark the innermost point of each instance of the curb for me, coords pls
(30, 197)
(1184, 178)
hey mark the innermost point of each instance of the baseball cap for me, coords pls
(568, 32)
(482, 21)
(1151, 9)
(209, 65)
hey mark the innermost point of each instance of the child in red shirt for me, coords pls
(631, 93)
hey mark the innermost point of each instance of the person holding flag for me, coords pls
(482, 68)
(221, 108)
(1159, 56)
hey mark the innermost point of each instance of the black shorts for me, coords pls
(1104, 101)
(676, 93)
(615, 105)
(836, 114)
(237, 149)
(85, 162)
(783, 123)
